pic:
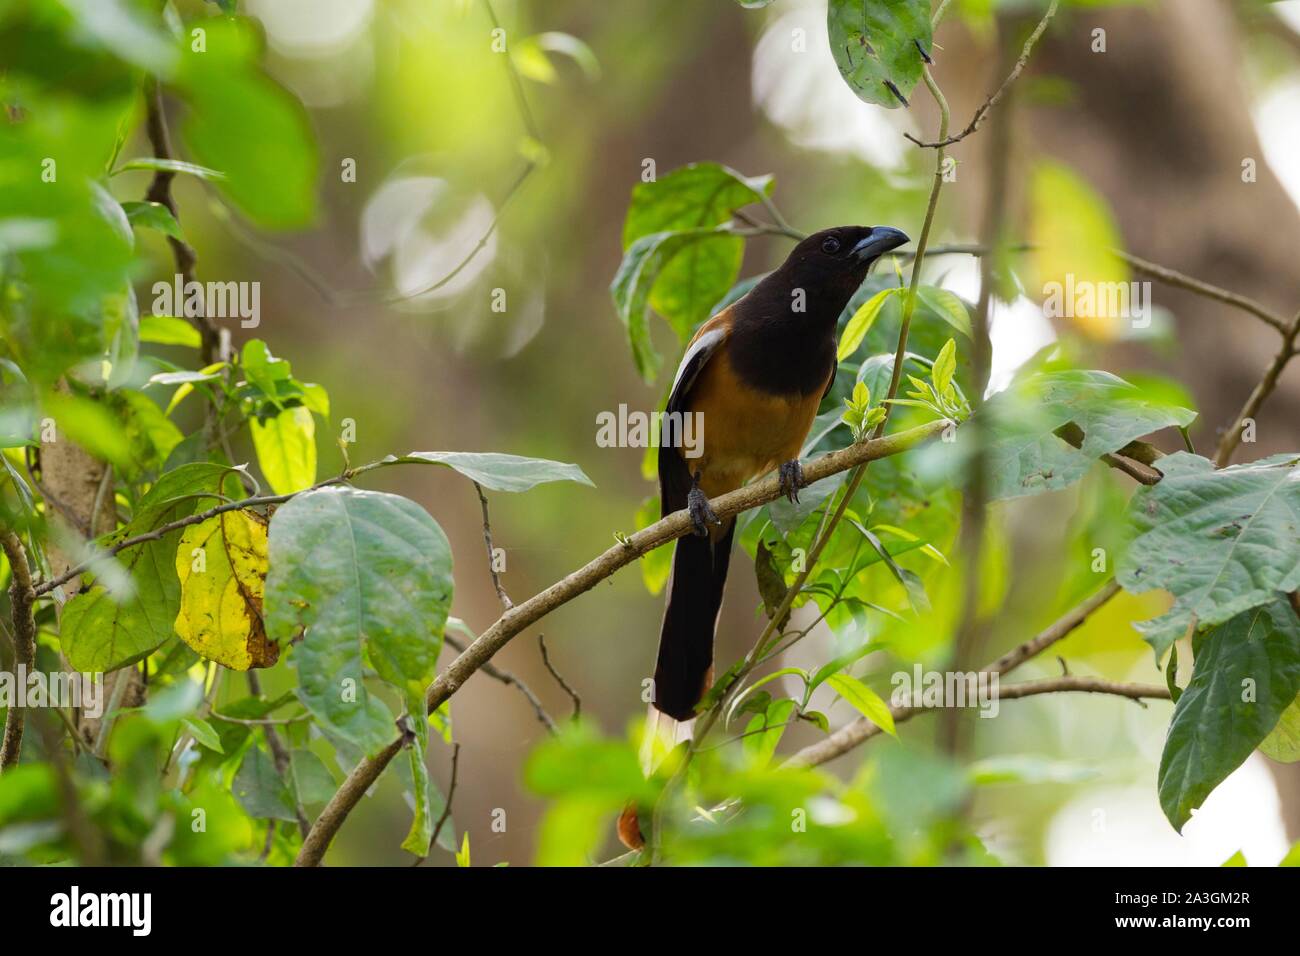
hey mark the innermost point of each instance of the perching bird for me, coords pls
(756, 373)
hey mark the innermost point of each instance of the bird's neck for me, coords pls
(782, 351)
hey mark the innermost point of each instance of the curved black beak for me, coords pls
(879, 241)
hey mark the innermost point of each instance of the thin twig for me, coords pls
(992, 101)
(559, 679)
(1232, 437)
(510, 680)
(491, 551)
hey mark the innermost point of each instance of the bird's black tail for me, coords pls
(685, 659)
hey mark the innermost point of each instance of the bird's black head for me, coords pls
(828, 266)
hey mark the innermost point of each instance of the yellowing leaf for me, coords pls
(221, 564)
(1074, 238)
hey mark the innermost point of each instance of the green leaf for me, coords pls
(286, 449)
(169, 330)
(203, 733)
(946, 306)
(1283, 741)
(864, 700)
(499, 472)
(153, 215)
(1247, 673)
(312, 781)
(420, 835)
(242, 122)
(1222, 541)
(366, 578)
(102, 631)
(678, 257)
(172, 166)
(945, 366)
(90, 425)
(863, 319)
(874, 43)
(1026, 457)
(760, 744)
(639, 272)
(259, 789)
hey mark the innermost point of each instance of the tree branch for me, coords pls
(992, 101)
(1232, 437)
(519, 617)
(22, 597)
(850, 735)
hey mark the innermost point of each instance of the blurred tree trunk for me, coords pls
(1160, 124)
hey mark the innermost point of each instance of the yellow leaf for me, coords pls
(221, 564)
(1074, 238)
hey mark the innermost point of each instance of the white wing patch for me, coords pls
(695, 358)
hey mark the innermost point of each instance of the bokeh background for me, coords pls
(413, 93)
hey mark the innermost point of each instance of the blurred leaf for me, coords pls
(1247, 673)
(499, 472)
(1074, 237)
(168, 330)
(1027, 768)
(760, 744)
(381, 599)
(874, 43)
(312, 781)
(1221, 541)
(286, 449)
(153, 215)
(1026, 457)
(172, 166)
(259, 789)
(245, 124)
(946, 306)
(90, 425)
(221, 604)
(1283, 741)
(202, 733)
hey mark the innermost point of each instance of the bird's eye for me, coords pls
(830, 245)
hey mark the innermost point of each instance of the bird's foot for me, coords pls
(791, 475)
(697, 503)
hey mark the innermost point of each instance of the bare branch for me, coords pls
(992, 101)
(491, 551)
(1232, 437)
(510, 680)
(573, 694)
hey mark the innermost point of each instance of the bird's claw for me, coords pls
(697, 503)
(791, 476)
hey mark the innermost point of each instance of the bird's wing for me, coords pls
(674, 475)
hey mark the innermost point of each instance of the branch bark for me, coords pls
(22, 597)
